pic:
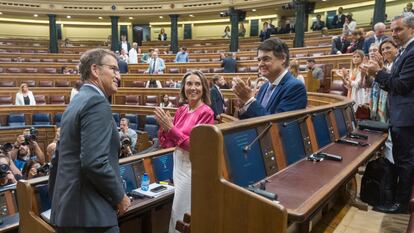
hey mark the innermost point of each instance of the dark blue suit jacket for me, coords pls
(400, 86)
(217, 101)
(369, 41)
(289, 95)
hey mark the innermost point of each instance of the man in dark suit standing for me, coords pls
(339, 19)
(340, 44)
(124, 44)
(229, 64)
(282, 93)
(400, 86)
(217, 100)
(88, 193)
(377, 38)
(318, 24)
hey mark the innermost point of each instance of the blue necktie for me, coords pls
(267, 95)
(153, 65)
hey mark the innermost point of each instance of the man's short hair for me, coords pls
(90, 57)
(184, 48)
(216, 77)
(278, 47)
(126, 120)
(311, 60)
(379, 25)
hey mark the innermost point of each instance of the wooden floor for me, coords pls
(347, 219)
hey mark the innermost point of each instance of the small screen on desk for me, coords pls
(163, 167)
(245, 166)
(139, 170)
(128, 177)
(292, 140)
(320, 124)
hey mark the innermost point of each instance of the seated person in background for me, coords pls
(75, 89)
(340, 44)
(152, 83)
(227, 33)
(26, 148)
(66, 70)
(316, 76)
(172, 84)
(408, 10)
(242, 30)
(229, 63)
(265, 32)
(51, 148)
(281, 93)
(24, 96)
(146, 56)
(294, 70)
(123, 56)
(124, 130)
(156, 65)
(324, 32)
(318, 24)
(257, 84)
(6, 175)
(133, 54)
(166, 103)
(182, 55)
(122, 66)
(162, 36)
(357, 41)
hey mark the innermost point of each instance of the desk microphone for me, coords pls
(299, 120)
(263, 193)
(249, 146)
(351, 142)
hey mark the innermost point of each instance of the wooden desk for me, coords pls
(304, 186)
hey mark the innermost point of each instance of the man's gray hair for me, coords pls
(126, 120)
(408, 20)
(90, 57)
(379, 25)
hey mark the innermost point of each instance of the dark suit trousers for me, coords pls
(114, 229)
(403, 153)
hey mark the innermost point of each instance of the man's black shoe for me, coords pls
(395, 208)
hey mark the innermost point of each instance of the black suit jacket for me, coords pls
(338, 22)
(217, 101)
(88, 184)
(229, 64)
(400, 86)
(339, 45)
(120, 46)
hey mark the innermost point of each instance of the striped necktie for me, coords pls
(267, 95)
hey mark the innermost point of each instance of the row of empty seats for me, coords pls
(49, 70)
(204, 70)
(40, 100)
(18, 119)
(22, 59)
(40, 83)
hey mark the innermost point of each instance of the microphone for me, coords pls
(263, 193)
(330, 156)
(249, 146)
(299, 120)
(351, 142)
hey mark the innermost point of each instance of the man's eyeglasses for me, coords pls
(115, 69)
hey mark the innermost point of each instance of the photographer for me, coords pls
(125, 147)
(6, 175)
(126, 131)
(26, 148)
(33, 169)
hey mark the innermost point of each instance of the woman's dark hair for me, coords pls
(206, 92)
(387, 41)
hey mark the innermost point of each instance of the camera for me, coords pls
(4, 170)
(32, 136)
(6, 147)
(44, 169)
(125, 141)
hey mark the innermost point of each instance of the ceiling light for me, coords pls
(68, 17)
(253, 10)
(100, 17)
(191, 15)
(161, 17)
(1, 13)
(35, 15)
(130, 17)
(324, 0)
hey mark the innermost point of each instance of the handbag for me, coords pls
(363, 112)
